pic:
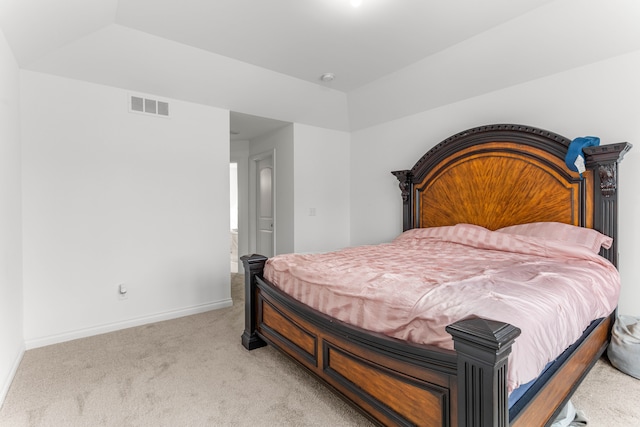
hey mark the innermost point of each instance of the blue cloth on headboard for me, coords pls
(575, 158)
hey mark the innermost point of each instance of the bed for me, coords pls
(490, 177)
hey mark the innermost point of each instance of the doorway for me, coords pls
(263, 165)
(251, 138)
(233, 215)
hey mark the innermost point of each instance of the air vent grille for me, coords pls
(145, 105)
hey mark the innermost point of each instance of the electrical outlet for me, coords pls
(122, 292)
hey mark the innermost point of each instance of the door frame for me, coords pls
(253, 197)
(242, 159)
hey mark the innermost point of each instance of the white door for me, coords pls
(265, 206)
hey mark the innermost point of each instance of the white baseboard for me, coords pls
(110, 327)
(12, 373)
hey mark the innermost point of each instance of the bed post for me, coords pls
(604, 159)
(253, 267)
(482, 348)
(405, 179)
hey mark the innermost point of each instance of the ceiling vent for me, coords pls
(145, 105)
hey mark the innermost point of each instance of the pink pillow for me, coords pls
(567, 233)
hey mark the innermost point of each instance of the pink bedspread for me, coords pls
(429, 278)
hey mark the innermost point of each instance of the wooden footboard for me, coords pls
(391, 381)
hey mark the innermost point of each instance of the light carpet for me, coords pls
(193, 371)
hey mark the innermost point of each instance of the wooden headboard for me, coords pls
(501, 175)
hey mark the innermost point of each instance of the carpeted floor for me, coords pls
(609, 398)
(193, 371)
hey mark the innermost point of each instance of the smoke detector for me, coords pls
(327, 77)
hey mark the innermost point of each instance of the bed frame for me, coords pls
(493, 176)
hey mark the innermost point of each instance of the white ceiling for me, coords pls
(245, 127)
(299, 38)
(437, 46)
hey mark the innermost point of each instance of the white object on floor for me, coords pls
(569, 417)
(624, 349)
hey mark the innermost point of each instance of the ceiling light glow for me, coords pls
(356, 3)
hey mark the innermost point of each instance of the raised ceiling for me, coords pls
(298, 38)
(391, 58)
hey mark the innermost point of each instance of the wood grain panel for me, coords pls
(495, 185)
(274, 321)
(419, 405)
